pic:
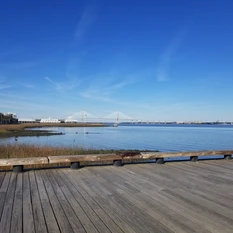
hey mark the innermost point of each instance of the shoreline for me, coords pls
(16, 130)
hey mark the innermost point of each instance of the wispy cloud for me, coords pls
(162, 71)
(85, 22)
(56, 85)
(68, 84)
(104, 86)
(26, 108)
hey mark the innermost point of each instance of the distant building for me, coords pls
(49, 120)
(71, 121)
(26, 120)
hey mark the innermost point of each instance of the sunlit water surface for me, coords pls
(162, 138)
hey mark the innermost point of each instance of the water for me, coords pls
(162, 137)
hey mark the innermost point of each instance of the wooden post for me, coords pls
(227, 157)
(75, 165)
(18, 168)
(193, 158)
(160, 161)
(117, 163)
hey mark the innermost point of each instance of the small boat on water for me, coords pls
(115, 124)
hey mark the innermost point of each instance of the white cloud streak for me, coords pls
(68, 84)
(162, 72)
(85, 22)
(56, 85)
(103, 87)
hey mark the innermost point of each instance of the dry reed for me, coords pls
(25, 150)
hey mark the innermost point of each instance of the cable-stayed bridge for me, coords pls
(84, 116)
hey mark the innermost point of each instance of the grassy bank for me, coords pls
(25, 151)
(21, 129)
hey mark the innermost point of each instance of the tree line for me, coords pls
(7, 119)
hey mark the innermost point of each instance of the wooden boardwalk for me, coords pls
(178, 197)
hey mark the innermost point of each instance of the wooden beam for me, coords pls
(23, 161)
(124, 156)
(82, 158)
(185, 154)
(128, 156)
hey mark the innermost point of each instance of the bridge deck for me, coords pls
(175, 197)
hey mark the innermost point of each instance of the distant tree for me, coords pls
(7, 119)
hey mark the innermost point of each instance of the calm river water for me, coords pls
(159, 137)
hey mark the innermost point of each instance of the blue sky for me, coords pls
(154, 60)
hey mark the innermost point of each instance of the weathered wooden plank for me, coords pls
(197, 216)
(88, 209)
(126, 208)
(7, 210)
(38, 215)
(50, 219)
(185, 154)
(171, 219)
(213, 221)
(177, 197)
(113, 227)
(70, 214)
(225, 165)
(210, 177)
(2, 176)
(28, 220)
(129, 215)
(201, 180)
(74, 198)
(23, 161)
(17, 211)
(81, 158)
(3, 191)
(142, 155)
(59, 213)
(222, 223)
(108, 157)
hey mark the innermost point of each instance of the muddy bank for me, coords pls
(21, 130)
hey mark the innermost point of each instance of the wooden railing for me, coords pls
(117, 158)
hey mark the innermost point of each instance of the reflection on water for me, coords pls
(163, 138)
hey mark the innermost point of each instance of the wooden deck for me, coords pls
(178, 197)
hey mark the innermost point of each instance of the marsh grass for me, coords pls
(27, 151)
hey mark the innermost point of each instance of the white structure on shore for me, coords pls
(71, 121)
(26, 120)
(49, 120)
